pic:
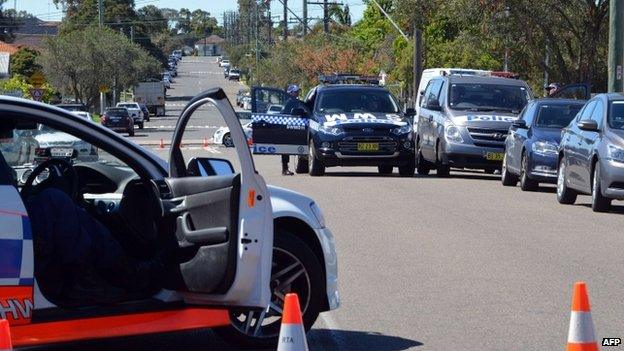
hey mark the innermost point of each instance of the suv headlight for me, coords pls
(402, 130)
(616, 154)
(545, 148)
(330, 130)
(452, 133)
(318, 214)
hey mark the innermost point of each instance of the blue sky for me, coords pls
(46, 10)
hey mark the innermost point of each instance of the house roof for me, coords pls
(213, 39)
(8, 48)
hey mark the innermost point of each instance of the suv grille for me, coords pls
(349, 145)
(488, 137)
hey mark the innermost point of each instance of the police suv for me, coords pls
(463, 121)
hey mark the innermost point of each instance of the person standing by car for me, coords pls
(552, 88)
(293, 102)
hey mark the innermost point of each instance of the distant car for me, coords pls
(226, 72)
(84, 114)
(166, 83)
(178, 54)
(118, 119)
(591, 154)
(222, 135)
(52, 143)
(135, 112)
(73, 107)
(240, 95)
(224, 63)
(234, 74)
(168, 75)
(145, 111)
(532, 143)
(274, 109)
(247, 102)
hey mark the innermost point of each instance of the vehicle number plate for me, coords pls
(61, 152)
(494, 156)
(368, 146)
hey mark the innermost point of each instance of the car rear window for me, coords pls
(556, 116)
(119, 112)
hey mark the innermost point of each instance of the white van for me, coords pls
(431, 73)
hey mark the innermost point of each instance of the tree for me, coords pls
(79, 62)
(24, 62)
(152, 20)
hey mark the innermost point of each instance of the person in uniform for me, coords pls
(293, 102)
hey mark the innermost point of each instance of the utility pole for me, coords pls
(101, 22)
(325, 16)
(285, 20)
(546, 65)
(616, 41)
(132, 34)
(418, 66)
(305, 18)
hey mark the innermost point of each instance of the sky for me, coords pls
(45, 9)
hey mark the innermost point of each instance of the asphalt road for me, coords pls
(426, 263)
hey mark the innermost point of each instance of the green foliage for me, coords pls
(24, 62)
(20, 83)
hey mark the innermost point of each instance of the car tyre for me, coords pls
(443, 170)
(227, 140)
(315, 165)
(507, 178)
(526, 183)
(288, 250)
(302, 166)
(408, 169)
(422, 166)
(131, 132)
(565, 195)
(385, 169)
(141, 125)
(600, 203)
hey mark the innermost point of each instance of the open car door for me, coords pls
(275, 131)
(580, 91)
(226, 216)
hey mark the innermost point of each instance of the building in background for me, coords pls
(210, 46)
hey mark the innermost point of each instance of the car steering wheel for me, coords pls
(62, 175)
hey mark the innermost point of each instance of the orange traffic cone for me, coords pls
(581, 336)
(292, 333)
(162, 144)
(5, 335)
(205, 142)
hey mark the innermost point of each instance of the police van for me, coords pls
(351, 121)
(463, 120)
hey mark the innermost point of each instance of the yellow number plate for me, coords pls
(494, 156)
(368, 146)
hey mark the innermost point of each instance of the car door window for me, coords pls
(434, 93)
(426, 94)
(598, 113)
(586, 113)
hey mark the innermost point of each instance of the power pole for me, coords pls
(285, 20)
(325, 16)
(132, 34)
(269, 23)
(101, 22)
(305, 18)
(616, 41)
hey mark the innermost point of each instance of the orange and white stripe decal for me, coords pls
(581, 335)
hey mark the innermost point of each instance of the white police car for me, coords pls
(234, 283)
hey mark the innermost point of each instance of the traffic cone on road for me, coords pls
(5, 336)
(581, 336)
(292, 333)
(205, 142)
(162, 144)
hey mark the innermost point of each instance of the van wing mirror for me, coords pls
(519, 123)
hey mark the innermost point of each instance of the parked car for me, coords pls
(463, 122)
(240, 95)
(135, 112)
(166, 82)
(531, 147)
(591, 154)
(222, 135)
(234, 74)
(118, 119)
(73, 107)
(84, 114)
(178, 54)
(247, 244)
(274, 109)
(224, 63)
(226, 72)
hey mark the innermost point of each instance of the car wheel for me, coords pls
(295, 269)
(443, 170)
(422, 167)
(315, 165)
(302, 166)
(131, 132)
(599, 202)
(141, 125)
(227, 140)
(565, 195)
(526, 183)
(385, 169)
(408, 169)
(507, 178)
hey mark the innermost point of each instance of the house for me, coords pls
(210, 46)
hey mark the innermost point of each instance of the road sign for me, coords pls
(104, 89)
(37, 79)
(37, 94)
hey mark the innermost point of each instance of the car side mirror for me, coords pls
(588, 125)
(298, 111)
(434, 105)
(205, 167)
(519, 123)
(410, 112)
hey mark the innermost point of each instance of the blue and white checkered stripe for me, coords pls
(16, 240)
(286, 120)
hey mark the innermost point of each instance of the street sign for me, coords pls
(37, 79)
(37, 94)
(104, 89)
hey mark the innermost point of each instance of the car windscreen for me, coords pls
(556, 116)
(356, 101)
(616, 115)
(488, 97)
